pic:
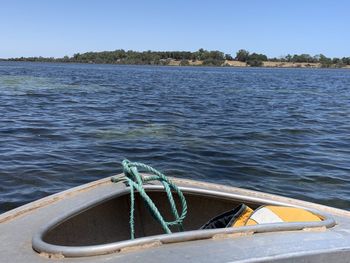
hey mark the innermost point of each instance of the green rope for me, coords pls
(136, 181)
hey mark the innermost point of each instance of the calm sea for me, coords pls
(283, 131)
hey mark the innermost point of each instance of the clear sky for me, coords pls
(273, 27)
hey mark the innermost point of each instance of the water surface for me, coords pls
(283, 131)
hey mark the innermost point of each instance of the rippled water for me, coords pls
(284, 131)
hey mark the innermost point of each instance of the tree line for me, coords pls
(208, 58)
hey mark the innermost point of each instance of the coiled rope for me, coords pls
(136, 181)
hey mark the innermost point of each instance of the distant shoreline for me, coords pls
(199, 63)
(201, 57)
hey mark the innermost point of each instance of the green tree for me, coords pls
(258, 57)
(255, 63)
(256, 60)
(346, 60)
(288, 58)
(242, 55)
(228, 57)
(325, 62)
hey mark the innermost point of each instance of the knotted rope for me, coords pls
(136, 181)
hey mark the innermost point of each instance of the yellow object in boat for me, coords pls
(273, 214)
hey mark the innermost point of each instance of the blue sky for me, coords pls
(64, 27)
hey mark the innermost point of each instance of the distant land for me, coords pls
(242, 58)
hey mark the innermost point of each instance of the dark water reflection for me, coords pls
(284, 131)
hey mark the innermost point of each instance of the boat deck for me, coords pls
(17, 227)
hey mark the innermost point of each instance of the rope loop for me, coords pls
(135, 181)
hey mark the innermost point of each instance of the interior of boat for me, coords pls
(108, 221)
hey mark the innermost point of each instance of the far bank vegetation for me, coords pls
(242, 58)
